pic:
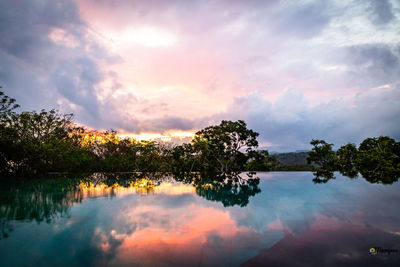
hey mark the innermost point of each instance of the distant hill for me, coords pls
(292, 158)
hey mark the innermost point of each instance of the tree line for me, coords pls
(33, 143)
(376, 159)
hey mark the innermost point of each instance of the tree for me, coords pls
(346, 160)
(261, 161)
(219, 147)
(323, 156)
(183, 160)
(378, 159)
(42, 141)
(7, 106)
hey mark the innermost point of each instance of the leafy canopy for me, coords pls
(220, 146)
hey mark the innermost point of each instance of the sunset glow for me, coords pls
(142, 186)
(167, 137)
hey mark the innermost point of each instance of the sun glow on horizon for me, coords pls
(166, 137)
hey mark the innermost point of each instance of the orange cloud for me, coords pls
(184, 241)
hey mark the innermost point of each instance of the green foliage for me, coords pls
(323, 156)
(346, 159)
(114, 154)
(35, 142)
(219, 147)
(378, 159)
(184, 160)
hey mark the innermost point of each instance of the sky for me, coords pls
(293, 70)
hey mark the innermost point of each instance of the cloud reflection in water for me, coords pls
(291, 221)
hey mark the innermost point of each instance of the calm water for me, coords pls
(285, 220)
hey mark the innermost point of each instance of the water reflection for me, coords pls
(48, 199)
(333, 245)
(380, 176)
(273, 219)
(323, 176)
(372, 175)
(229, 189)
(38, 201)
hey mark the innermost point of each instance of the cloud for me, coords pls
(373, 64)
(75, 80)
(381, 11)
(304, 21)
(52, 60)
(140, 66)
(291, 122)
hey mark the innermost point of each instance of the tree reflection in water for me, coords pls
(45, 200)
(371, 175)
(323, 176)
(229, 189)
(38, 201)
(380, 176)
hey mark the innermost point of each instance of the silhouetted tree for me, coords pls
(7, 106)
(44, 141)
(184, 160)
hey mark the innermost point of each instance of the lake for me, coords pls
(282, 219)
